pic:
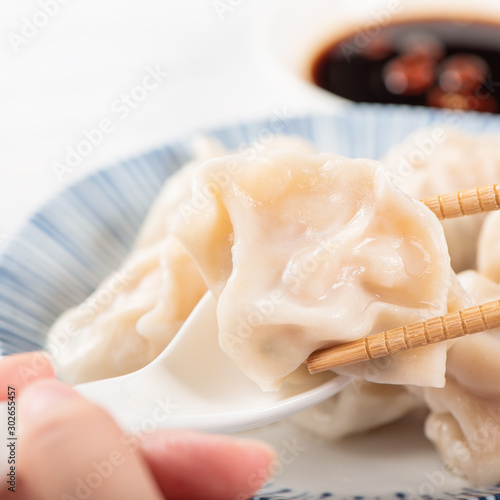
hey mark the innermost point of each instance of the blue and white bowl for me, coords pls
(65, 250)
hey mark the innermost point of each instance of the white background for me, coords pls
(65, 75)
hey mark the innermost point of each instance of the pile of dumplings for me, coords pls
(304, 250)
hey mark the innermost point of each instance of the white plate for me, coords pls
(75, 240)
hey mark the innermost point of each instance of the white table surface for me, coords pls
(72, 71)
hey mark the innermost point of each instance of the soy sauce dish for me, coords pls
(427, 62)
(440, 54)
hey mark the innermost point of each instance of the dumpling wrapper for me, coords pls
(175, 192)
(436, 161)
(360, 407)
(464, 423)
(363, 405)
(130, 318)
(135, 312)
(309, 250)
(488, 247)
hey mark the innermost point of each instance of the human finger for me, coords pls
(71, 448)
(193, 466)
(19, 370)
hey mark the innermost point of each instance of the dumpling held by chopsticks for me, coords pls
(309, 250)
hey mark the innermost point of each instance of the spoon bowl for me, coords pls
(193, 384)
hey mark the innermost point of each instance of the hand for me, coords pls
(70, 448)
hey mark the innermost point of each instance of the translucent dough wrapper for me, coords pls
(130, 318)
(360, 407)
(464, 423)
(135, 313)
(440, 160)
(305, 251)
(488, 247)
(363, 405)
(175, 192)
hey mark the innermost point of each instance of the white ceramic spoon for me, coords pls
(193, 384)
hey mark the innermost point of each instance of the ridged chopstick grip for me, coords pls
(467, 202)
(450, 326)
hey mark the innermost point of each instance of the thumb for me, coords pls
(189, 465)
(19, 370)
(70, 448)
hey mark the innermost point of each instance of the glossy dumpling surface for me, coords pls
(137, 310)
(308, 250)
(464, 423)
(440, 160)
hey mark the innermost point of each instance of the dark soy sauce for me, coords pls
(437, 63)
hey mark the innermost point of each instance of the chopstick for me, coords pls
(466, 202)
(450, 326)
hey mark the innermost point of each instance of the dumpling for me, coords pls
(436, 161)
(360, 407)
(363, 405)
(130, 318)
(175, 191)
(488, 247)
(309, 250)
(135, 313)
(464, 423)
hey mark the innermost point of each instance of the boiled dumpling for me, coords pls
(464, 423)
(360, 407)
(135, 313)
(488, 247)
(436, 161)
(309, 250)
(363, 405)
(175, 191)
(130, 318)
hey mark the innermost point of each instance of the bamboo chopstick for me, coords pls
(450, 326)
(466, 202)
